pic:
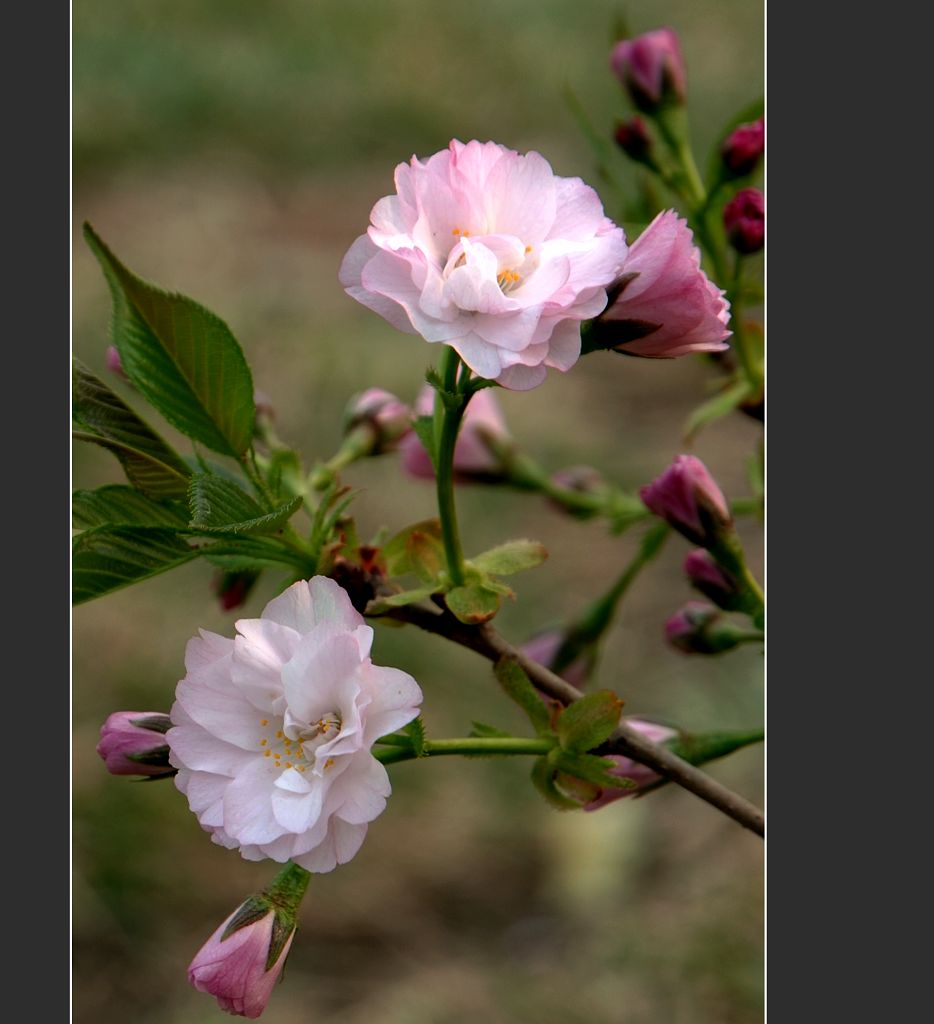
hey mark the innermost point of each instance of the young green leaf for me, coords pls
(473, 603)
(587, 722)
(398, 552)
(181, 357)
(119, 505)
(220, 506)
(380, 605)
(543, 778)
(110, 558)
(103, 418)
(513, 556)
(597, 770)
(515, 682)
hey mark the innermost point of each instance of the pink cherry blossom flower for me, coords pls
(473, 459)
(272, 730)
(488, 251)
(664, 305)
(626, 768)
(233, 969)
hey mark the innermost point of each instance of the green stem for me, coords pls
(739, 342)
(449, 415)
(469, 745)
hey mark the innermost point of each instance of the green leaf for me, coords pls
(415, 731)
(543, 778)
(513, 556)
(181, 357)
(473, 603)
(383, 604)
(219, 505)
(240, 553)
(597, 770)
(416, 549)
(285, 473)
(424, 427)
(587, 722)
(722, 404)
(110, 558)
(483, 730)
(119, 505)
(511, 676)
(150, 464)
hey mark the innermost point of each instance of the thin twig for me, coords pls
(486, 641)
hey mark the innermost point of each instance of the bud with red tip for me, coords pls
(688, 498)
(241, 962)
(233, 588)
(386, 418)
(743, 147)
(712, 580)
(133, 743)
(699, 628)
(633, 139)
(744, 220)
(651, 68)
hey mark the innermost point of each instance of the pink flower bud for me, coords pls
(389, 418)
(743, 147)
(688, 498)
(633, 139)
(651, 67)
(114, 363)
(698, 628)
(663, 305)
(233, 965)
(133, 743)
(233, 588)
(626, 768)
(711, 580)
(744, 220)
(544, 649)
(473, 459)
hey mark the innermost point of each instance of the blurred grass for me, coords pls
(232, 151)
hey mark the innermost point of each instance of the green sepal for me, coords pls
(158, 756)
(219, 505)
(596, 770)
(473, 603)
(253, 909)
(722, 404)
(104, 419)
(702, 747)
(119, 505)
(415, 732)
(380, 605)
(482, 730)
(154, 723)
(424, 427)
(511, 676)
(543, 778)
(587, 722)
(106, 559)
(513, 556)
(181, 357)
(283, 925)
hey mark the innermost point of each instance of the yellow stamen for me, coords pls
(264, 721)
(263, 743)
(279, 734)
(329, 763)
(528, 248)
(267, 753)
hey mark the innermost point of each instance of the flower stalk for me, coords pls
(466, 746)
(450, 404)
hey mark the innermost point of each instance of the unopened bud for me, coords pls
(744, 220)
(133, 743)
(712, 580)
(633, 139)
(699, 628)
(743, 148)
(638, 774)
(651, 68)
(386, 417)
(233, 588)
(688, 498)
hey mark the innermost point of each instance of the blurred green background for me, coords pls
(232, 150)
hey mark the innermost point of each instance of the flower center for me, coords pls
(293, 744)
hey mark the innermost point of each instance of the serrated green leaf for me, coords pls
(383, 604)
(722, 404)
(424, 428)
(103, 418)
(119, 505)
(543, 778)
(597, 770)
(587, 722)
(473, 603)
(415, 731)
(481, 729)
(182, 358)
(513, 556)
(398, 554)
(219, 505)
(110, 558)
(511, 676)
(242, 553)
